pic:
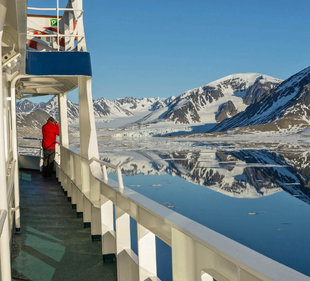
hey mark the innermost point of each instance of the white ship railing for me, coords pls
(69, 26)
(198, 253)
(30, 148)
(7, 217)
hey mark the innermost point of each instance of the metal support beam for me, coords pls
(88, 135)
(63, 119)
(5, 256)
(15, 156)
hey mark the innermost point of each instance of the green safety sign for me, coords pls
(53, 22)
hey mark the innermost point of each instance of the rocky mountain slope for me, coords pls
(124, 107)
(216, 101)
(211, 103)
(133, 105)
(241, 102)
(24, 107)
(104, 107)
(287, 108)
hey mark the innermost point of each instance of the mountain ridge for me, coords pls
(287, 107)
(201, 104)
(243, 102)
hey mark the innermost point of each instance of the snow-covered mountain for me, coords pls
(141, 104)
(25, 106)
(250, 101)
(217, 100)
(118, 108)
(36, 119)
(288, 107)
(104, 107)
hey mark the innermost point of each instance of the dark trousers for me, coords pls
(48, 162)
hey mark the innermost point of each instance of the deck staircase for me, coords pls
(54, 243)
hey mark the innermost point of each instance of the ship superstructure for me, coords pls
(46, 55)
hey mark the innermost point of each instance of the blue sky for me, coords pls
(150, 48)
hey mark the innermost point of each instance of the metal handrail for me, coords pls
(54, 9)
(117, 168)
(3, 215)
(53, 35)
(104, 163)
(31, 138)
(31, 146)
(27, 146)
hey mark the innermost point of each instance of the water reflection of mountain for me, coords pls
(245, 173)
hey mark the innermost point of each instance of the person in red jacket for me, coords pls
(49, 132)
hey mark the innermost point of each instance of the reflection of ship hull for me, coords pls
(243, 174)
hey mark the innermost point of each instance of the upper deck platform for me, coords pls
(56, 41)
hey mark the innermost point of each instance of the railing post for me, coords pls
(77, 171)
(81, 44)
(107, 227)
(120, 178)
(193, 261)
(72, 166)
(82, 205)
(94, 196)
(127, 262)
(95, 223)
(57, 16)
(183, 257)
(74, 197)
(85, 188)
(68, 29)
(146, 253)
(79, 199)
(105, 174)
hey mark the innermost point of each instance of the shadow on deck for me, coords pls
(53, 243)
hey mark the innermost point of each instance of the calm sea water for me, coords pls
(257, 196)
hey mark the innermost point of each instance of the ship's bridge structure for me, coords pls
(43, 52)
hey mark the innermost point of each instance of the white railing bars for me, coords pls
(198, 253)
(70, 28)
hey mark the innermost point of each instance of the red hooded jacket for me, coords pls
(49, 132)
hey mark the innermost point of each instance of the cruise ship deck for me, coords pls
(42, 234)
(54, 243)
